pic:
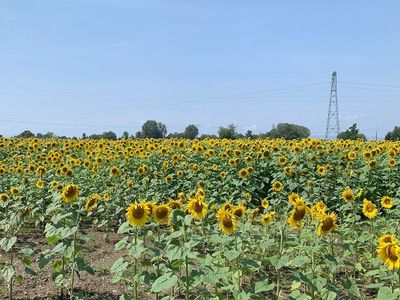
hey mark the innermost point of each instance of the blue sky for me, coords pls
(74, 66)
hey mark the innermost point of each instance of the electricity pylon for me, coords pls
(332, 124)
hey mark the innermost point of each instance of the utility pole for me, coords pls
(332, 124)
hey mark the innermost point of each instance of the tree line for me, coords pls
(154, 129)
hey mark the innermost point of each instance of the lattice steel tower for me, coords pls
(332, 124)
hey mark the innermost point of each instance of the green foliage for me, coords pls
(228, 132)
(352, 133)
(191, 132)
(289, 131)
(26, 134)
(152, 129)
(393, 135)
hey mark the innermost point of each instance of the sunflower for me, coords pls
(265, 203)
(282, 160)
(348, 195)
(70, 193)
(327, 224)
(4, 197)
(318, 211)
(268, 218)
(277, 186)
(39, 184)
(129, 183)
(294, 198)
(243, 173)
(161, 213)
(227, 221)
(369, 209)
(91, 202)
(179, 173)
(174, 204)
(387, 238)
(239, 211)
(227, 206)
(390, 255)
(372, 163)
(106, 196)
(387, 202)
(137, 214)
(297, 215)
(392, 162)
(197, 208)
(352, 155)
(14, 191)
(54, 185)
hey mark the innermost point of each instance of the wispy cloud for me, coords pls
(353, 117)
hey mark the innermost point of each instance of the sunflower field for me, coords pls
(200, 219)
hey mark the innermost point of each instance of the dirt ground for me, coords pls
(97, 286)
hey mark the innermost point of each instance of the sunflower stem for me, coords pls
(186, 266)
(135, 268)
(238, 265)
(333, 255)
(278, 272)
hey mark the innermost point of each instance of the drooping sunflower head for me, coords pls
(327, 224)
(174, 204)
(387, 202)
(348, 195)
(369, 209)
(390, 255)
(197, 208)
(70, 193)
(227, 221)
(161, 213)
(91, 202)
(137, 214)
(239, 211)
(387, 238)
(268, 218)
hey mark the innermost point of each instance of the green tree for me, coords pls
(109, 135)
(289, 131)
(152, 129)
(352, 133)
(393, 135)
(26, 134)
(191, 132)
(125, 135)
(228, 132)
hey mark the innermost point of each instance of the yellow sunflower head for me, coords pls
(348, 195)
(239, 211)
(70, 193)
(91, 202)
(277, 186)
(227, 221)
(161, 213)
(387, 202)
(197, 208)
(268, 218)
(327, 224)
(137, 214)
(387, 238)
(369, 209)
(390, 255)
(265, 203)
